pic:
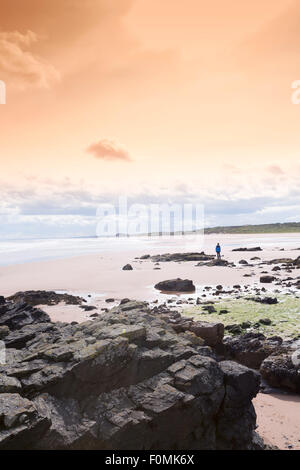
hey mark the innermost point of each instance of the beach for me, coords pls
(96, 275)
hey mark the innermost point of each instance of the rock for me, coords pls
(176, 285)
(4, 331)
(109, 300)
(267, 279)
(243, 261)
(19, 314)
(127, 267)
(234, 329)
(21, 423)
(219, 287)
(9, 384)
(237, 409)
(145, 257)
(264, 300)
(212, 333)
(282, 368)
(216, 262)
(125, 381)
(256, 248)
(296, 262)
(223, 311)
(209, 308)
(250, 349)
(88, 308)
(265, 321)
(179, 257)
(41, 297)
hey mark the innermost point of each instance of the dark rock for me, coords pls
(267, 279)
(125, 381)
(209, 308)
(127, 267)
(234, 329)
(264, 300)
(251, 349)
(176, 285)
(179, 257)
(256, 248)
(282, 368)
(216, 262)
(19, 314)
(41, 297)
(88, 308)
(265, 321)
(243, 261)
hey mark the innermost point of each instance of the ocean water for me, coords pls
(30, 250)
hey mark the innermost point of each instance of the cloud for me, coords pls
(19, 67)
(108, 150)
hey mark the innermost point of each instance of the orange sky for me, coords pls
(191, 93)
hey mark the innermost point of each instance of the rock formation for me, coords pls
(126, 380)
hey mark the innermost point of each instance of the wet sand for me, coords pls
(278, 419)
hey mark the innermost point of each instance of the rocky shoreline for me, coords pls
(141, 375)
(133, 378)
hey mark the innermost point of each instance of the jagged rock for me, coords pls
(250, 349)
(126, 380)
(41, 297)
(19, 314)
(176, 285)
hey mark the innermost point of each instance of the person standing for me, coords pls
(218, 251)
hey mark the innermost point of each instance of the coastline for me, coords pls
(99, 276)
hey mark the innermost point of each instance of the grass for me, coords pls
(285, 315)
(291, 227)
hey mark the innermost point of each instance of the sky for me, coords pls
(162, 102)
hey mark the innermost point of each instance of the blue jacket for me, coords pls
(218, 249)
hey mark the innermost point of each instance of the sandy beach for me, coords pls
(99, 276)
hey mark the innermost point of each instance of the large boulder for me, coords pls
(125, 380)
(176, 285)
